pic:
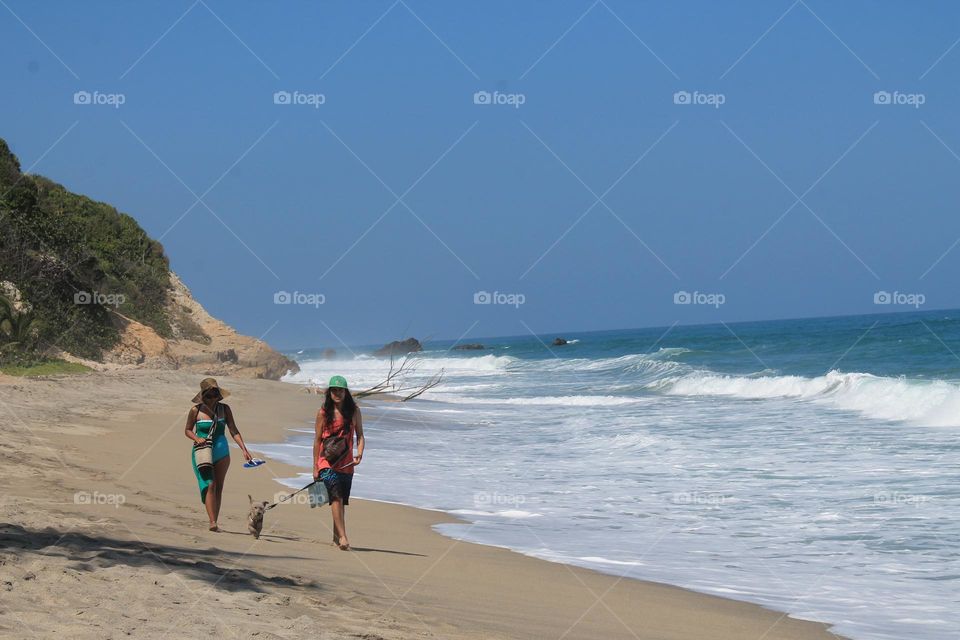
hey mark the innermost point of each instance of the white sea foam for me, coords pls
(601, 560)
(554, 401)
(506, 513)
(932, 403)
(657, 361)
(365, 370)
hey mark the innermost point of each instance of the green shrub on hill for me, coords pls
(75, 261)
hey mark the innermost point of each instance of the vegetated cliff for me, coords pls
(82, 281)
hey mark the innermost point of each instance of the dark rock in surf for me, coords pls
(399, 347)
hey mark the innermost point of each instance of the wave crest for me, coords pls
(928, 402)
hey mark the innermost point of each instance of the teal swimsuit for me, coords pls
(221, 450)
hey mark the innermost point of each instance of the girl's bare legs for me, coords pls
(339, 523)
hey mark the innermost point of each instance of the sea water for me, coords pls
(807, 465)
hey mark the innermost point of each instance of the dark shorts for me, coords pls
(338, 484)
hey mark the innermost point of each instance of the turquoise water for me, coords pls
(807, 465)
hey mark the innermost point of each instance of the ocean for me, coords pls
(811, 466)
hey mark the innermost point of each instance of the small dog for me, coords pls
(255, 517)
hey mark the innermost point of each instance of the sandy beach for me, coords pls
(103, 536)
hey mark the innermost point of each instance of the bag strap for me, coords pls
(217, 414)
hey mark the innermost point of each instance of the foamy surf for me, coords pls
(364, 370)
(673, 457)
(931, 403)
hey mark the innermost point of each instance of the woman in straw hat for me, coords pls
(206, 426)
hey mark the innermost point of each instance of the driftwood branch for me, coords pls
(430, 384)
(394, 383)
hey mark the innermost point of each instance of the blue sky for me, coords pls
(597, 200)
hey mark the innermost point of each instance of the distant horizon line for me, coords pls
(573, 334)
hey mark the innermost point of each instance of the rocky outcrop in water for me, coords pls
(399, 347)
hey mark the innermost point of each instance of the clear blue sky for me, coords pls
(491, 190)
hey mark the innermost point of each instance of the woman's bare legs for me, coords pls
(339, 523)
(220, 476)
(210, 502)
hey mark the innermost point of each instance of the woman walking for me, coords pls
(206, 425)
(337, 422)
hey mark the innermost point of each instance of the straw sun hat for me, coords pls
(205, 385)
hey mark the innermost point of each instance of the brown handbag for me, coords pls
(334, 447)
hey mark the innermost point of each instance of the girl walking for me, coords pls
(338, 424)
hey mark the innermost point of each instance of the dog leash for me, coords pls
(285, 498)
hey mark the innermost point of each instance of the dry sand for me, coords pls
(147, 568)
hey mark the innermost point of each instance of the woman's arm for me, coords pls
(232, 425)
(317, 441)
(190, 430)
(361, 442)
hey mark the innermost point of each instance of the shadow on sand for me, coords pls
(399, 553)
(92, 552)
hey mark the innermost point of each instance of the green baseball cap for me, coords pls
(337, 382)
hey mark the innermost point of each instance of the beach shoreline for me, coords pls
(104, 534)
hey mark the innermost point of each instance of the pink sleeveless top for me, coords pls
(344, 463)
